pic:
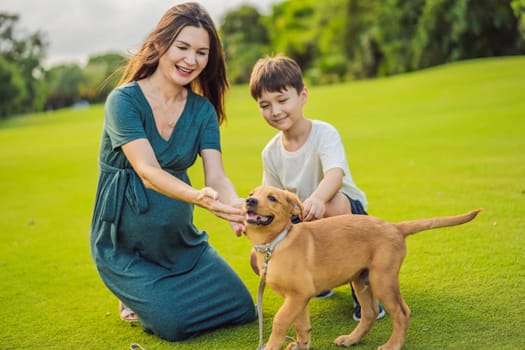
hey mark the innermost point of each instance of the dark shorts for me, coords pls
(357, 206)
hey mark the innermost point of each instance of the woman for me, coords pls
(166, 111)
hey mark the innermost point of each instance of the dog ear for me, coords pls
(295, 203)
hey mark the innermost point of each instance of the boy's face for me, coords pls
(283, 108)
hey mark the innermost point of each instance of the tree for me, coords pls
(245, 40)
(330, 63)
(12, 89)
(25, 52)
(100, 76)
(292, 30)
(397, 27)
(63, 83)
(361, 38)
(518, 6)
(333, 40)
(451, 30)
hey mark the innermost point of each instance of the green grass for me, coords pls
(436, 142)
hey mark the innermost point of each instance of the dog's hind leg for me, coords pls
(368, 313)
(399, 312)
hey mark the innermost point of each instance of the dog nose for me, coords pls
(250, 201)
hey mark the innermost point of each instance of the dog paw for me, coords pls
(297, 346)
(389, 347)
(345, 341)
(292, 346)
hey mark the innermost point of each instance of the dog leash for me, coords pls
(267, 250)
(260, 293)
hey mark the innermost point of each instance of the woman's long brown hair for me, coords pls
(212, 83)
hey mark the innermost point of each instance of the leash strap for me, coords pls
(267, 249)
(260, 294)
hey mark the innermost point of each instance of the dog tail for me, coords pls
(414, 226)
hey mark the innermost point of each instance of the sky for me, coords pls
(77, 29)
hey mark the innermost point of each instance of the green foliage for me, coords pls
(245, 40)
(332, 35)
(337, 40)
(292, 30)
(12, 89)
(101, 76)
(518, 6)
(434, 39)
(493, 30)
(70, 83)
(361, 38)
(437, 142)
(397, 25)
(25, 53)
(59, 86)
(327, 69)
(63, 83)
(452, 30)
(332, 40)
(330, 63)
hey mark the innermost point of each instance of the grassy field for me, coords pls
(437, 142)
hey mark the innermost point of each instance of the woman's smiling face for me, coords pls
(186, 58)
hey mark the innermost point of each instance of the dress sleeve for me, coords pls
(211, 138)
(122, 121)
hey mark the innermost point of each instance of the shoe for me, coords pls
(326, 294)
(357, 312)
(126, 314)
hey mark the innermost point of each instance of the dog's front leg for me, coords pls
(285, 316)
(303, 331)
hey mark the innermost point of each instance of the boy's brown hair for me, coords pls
(275, 74)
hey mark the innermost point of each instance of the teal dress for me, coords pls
(145, 246)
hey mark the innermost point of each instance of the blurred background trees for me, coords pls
(20, 68)
(245, 37)
(332, 40)
(340, 40)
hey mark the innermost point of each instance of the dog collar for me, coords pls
(269, 247)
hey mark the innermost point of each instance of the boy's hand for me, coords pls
(313, 209)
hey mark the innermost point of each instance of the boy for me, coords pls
(307, 156)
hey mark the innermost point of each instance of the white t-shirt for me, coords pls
(301, 171)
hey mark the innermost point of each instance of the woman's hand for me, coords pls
(215, 178)
(238, 228)
(208, 198)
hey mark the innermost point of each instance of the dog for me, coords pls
(305, 259)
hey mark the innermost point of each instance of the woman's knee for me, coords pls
(171, 329)
(247, 312)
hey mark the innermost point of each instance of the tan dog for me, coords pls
(316, 256)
